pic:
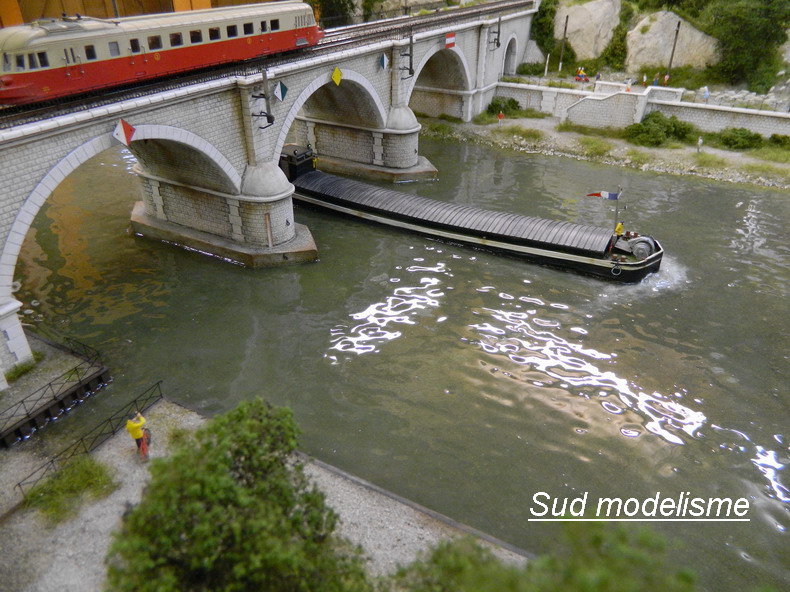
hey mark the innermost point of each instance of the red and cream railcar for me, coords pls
(54, 58)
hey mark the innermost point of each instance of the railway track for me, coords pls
(396, 28)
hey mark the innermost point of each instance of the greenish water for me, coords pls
(464, 380)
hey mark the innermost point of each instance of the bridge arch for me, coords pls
(358, 91)
(510, 61)
(446, 68)
(35, 201)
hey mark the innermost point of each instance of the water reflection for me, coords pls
(535, 343)
(380, 320)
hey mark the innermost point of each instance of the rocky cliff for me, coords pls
(650, 43)
(590, 25)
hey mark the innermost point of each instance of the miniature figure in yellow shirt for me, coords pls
(134, 425)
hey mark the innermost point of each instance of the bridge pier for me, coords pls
(389, 153)
(255, 228)
(14, 348)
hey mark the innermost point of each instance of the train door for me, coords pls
(73, 61)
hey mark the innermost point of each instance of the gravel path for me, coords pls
(36, 557)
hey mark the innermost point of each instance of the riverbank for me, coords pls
(38, 557)
(540, 135)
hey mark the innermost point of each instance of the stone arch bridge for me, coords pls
(208, 160)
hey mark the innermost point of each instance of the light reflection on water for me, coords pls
(530, 336)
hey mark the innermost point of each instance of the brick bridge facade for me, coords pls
(208, 161)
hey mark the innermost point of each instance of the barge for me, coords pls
(626, 257)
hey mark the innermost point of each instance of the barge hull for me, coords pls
(558, 244)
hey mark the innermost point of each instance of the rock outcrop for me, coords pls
(650, 43)
(590, 26)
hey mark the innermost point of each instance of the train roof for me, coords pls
(23, 36)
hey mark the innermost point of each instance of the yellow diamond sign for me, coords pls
(337, 76)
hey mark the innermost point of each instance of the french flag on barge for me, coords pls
(604, 194)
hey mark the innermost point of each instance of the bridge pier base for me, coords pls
(255, 228)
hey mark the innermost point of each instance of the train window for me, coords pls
(115, 50)
(263, 26)
(248, 30)
(6, 63)
(275, 25)
(90, 52)
(134, 44)
(20, 62)
(154, 42)
(32, 61)
(176, 39)
(43, 59)
(233, 31)
(213, 34)
(196, 36)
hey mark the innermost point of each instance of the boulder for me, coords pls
(650, 43)
(590, 25)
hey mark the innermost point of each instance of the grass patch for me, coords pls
(438, 127)
(595, 146)
(683, 76)
(21, 369)
(709, 161)
(524, 133)
(772, 154)
(767, 170)
(58, 497)
(484, 118)
(560, 84)
(450, 118)
(638, 157)
(604, 132)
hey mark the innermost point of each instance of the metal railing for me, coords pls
(95, 437)
(52, 391)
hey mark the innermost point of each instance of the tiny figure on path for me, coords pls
(699, 144)
(655, 80)
(500, 116)
(134, 425)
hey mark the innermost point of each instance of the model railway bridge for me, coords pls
(208, 146)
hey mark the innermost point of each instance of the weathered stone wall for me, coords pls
(616, 110)
(711, 118)
(344, 142)
(613, 107)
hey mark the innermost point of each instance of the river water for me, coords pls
(464, 380)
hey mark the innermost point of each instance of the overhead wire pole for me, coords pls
(674, 44)
(564, 36)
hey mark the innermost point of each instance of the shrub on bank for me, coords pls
(740, 138)
(656, 129)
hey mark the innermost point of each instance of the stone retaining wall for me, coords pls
(609, 105)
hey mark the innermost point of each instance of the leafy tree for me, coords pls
(749, 33)
(595, 557)
(334, 13)
(543, 25)
(230, 510)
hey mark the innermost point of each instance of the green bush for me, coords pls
(740, 138)
(779, 141)
(507, 106)
(656, 129)
(534, 69)
(594, 557)
(233, 511)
